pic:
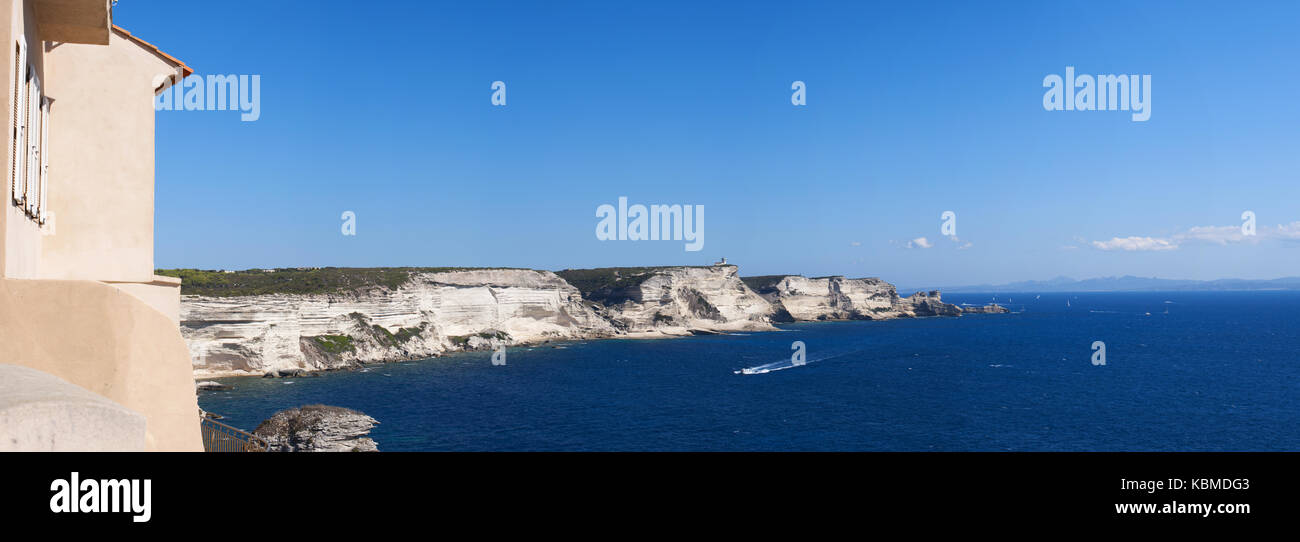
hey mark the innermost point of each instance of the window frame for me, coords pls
(29, 165)
(18, 111)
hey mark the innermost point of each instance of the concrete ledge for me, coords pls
(40, 412)
(162, 293)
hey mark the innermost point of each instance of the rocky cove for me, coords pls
(292, 321)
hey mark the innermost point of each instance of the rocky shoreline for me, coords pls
(318, 428)
(432, 313)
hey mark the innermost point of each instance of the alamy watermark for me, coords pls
(654, 223)
(499, 356)
(498, 93)
(91, 496)
(1108, 92)
(1098, 353)
(349, 226)
(241, 93)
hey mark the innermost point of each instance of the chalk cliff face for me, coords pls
(927, 304)
(430, 314)
(427, 313)
(797, 298)
(680, 301)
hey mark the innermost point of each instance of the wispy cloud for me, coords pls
(1290, 232)
(961, 245)
(925, 242)
(1217, 235)
(1135, 244)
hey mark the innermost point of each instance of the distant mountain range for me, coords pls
(1127, 283)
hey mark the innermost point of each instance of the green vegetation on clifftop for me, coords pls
(599, 283)
(321, 280)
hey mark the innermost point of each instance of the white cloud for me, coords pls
(961, 245)
(919, 242)
(1135, 244)
(855, 244)
(1287, 231)
(1218, 235)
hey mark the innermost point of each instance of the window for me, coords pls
(31, 113)
(43, 198)
(20, 122)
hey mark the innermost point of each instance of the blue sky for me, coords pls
(911, 111)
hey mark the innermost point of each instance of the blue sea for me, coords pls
(1184, 371)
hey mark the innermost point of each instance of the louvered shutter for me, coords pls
(30, 197)
(20, 121)
(42, 211)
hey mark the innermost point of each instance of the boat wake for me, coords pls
(785, 364)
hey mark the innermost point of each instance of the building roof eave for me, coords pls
(186, 70)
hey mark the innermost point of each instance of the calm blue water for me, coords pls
(1218, 372)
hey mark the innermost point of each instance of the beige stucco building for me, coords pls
(78, 297)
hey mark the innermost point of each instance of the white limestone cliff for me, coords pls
(798, 298)
(670, 301)
(430, 314)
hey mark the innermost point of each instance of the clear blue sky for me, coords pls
(384, 109)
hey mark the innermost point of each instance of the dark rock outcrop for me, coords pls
(318, 428)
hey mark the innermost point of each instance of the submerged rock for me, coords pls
(318, 428)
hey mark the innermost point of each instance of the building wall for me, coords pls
(110, 342)
(20, 236)
(119, 340)
(101, 161)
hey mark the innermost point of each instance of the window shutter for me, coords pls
(19, 121)
(42, 211)
(30, 197)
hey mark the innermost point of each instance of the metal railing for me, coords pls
(219, 437)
